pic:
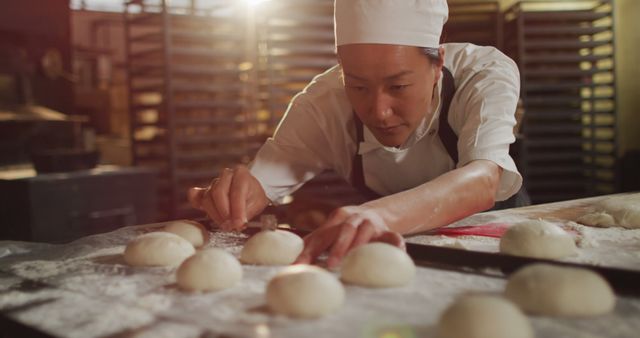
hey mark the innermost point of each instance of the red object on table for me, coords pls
(495, 230)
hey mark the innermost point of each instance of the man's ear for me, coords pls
(438, 65)
(441, 56)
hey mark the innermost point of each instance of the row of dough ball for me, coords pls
(298, 291)
(372, 265)
(567, 291)
(169, 247)
(210, 269)
(178, 240)
(308, 291)
(538, 289)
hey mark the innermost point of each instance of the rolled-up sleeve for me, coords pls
(489, 97)
(297, 152)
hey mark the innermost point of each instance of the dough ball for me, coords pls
(193, 232)
(378, 265)
(272, 247)
(560, 291)
(158, 249)
(598, 219)
(483, 316)
(621, 211)
(537, 239)
(209, 270)
(304, 291)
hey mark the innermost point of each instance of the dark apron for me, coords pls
(448, 138)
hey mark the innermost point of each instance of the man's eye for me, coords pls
(399, 87)
(358, 88)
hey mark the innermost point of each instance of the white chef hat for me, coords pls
(395, 22)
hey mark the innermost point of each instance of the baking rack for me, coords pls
(565, 54)
(190, 103)
(296, 43)
(477, 22)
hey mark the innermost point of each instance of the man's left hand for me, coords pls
(345, 229)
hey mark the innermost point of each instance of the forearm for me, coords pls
(451, 196)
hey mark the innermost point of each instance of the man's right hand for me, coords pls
(232, 199)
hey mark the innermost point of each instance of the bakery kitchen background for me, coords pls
(112, 110)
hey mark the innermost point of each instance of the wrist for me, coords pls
(381, 213)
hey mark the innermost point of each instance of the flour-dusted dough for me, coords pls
(209, 270)
(272, 247)
(621, 211)
(158, 249)
(304, 291)
(483, 316)
(192, 231)
(597, 219)
(378, 265)
(560, 291)
(539, 239)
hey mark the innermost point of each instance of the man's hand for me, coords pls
(345, 229)
(232, 199)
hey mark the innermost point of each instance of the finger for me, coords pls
(195, 195)
(238, 196)
(198, 199)
(305, 257)
(337, 217)
(342, 243)
(220, 193)
(209, 207)
(316, 243)
(392, 238)
(255, 207)
(366, 231)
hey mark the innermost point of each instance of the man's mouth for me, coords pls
(390, 129)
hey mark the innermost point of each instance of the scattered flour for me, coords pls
(615, 246)
(83, 289)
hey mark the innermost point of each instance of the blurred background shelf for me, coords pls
(566, 59)
(190, 98)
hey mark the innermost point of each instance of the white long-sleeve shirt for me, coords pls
(318, 132)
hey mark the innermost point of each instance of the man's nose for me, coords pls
(381, 107)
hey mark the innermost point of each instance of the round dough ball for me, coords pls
(483, 316)
(378, 265)
(272, 247)
(304, 291)
(621, 211)
(193, 232)
(209, 270)
(560, 291)
(538, 239)
(157, 249)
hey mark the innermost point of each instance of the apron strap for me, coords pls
(447, 136)
(357, 172)
(445, 132)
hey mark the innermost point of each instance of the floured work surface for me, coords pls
(84, 289)
(611, 247)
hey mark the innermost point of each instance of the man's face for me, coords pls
(390, 88)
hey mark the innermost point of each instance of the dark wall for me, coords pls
(36, 26)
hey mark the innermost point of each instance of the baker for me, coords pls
(422, 128)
